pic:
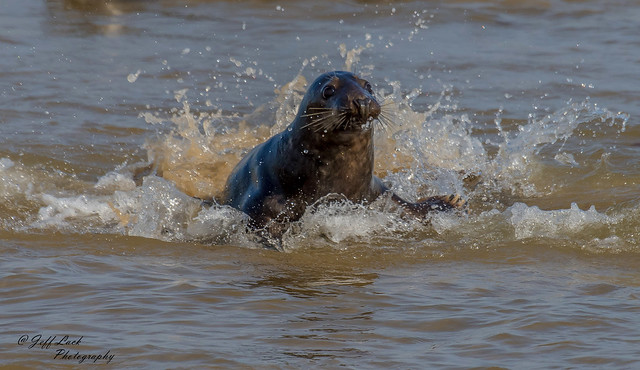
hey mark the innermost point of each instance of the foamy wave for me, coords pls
(341, 224)
(222, 225)
(157, 209)
(61, 212)
(115, 181)
(529, 222)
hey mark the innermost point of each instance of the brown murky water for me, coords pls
(99, 264)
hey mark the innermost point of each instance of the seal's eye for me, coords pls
(368, 87)
(328, 91)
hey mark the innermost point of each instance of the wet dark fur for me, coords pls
(327, 149)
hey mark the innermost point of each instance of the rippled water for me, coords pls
(115, 114)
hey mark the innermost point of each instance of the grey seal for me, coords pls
(327, 149)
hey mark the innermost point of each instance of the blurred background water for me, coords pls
(113, 114)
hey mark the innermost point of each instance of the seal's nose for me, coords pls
(366, 107)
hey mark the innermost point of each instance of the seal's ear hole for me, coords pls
(328, 91)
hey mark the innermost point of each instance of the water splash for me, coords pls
(424, 153)
(530, 222)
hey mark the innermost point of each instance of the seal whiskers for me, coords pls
(386, 118)
(327, 119)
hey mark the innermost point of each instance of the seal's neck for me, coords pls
(336, 162)
(358, 142)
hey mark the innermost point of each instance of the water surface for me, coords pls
(538, 99)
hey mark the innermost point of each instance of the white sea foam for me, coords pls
(342, 221)
(60, 212)
(115, 181)
(529, 222)
(220, 225)
(157, 209)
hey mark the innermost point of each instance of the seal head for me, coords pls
(338, 101)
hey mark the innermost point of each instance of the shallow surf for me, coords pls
(114, 117)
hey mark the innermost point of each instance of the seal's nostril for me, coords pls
(362, 107)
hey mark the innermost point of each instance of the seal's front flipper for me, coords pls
(444, 202)
(433, 204)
